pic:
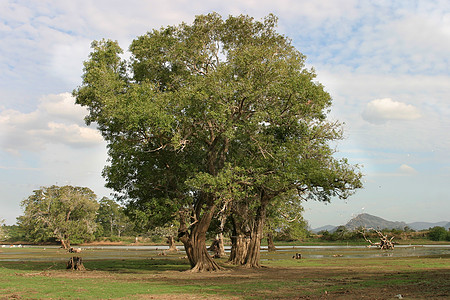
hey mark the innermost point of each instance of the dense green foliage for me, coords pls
(112, 220)
(285, 219)
(406, 234)
(439, 233)
(341, 234)
(65, 213)
(14, 233)
(217, 116)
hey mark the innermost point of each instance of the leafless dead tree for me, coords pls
(384, 244)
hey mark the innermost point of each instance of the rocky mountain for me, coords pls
(370, 221)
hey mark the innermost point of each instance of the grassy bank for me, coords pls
(131, 274)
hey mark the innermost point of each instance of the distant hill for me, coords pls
(426, 225)
(329, 228)
(369, 221)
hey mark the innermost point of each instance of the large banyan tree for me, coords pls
(215, 119)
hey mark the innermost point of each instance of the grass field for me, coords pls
(39, 273)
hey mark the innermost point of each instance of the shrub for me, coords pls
(438, 233)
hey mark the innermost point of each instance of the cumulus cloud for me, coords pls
(62, 107)
(381, 110)
(56, 120)
(407, 170)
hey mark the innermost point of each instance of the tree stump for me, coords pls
(75, 263)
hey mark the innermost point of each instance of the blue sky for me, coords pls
(385, 63)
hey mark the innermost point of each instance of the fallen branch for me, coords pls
(384, 244)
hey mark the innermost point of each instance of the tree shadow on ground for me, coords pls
(116, 265)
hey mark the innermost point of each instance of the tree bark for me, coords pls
(194, 241)
(217, 247)
(65, 244)
(221, 246)
(239, 249)
(239, 241)
(246, 250)
(76, 263)
(252, 259)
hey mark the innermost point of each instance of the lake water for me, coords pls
(363, 251)
(41, 253)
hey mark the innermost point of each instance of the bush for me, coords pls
(438, 234)
(156, 239)
(114, 238)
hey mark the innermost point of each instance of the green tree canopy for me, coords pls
(214, 115)
(2, 230)
(64, 213)
(111, 218)
(287, 219)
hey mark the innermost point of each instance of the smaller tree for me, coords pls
(64, 213)
(2, 230)
(288, 219)
(13, 233)
(112, 219)
(167, 232)
(340, 233)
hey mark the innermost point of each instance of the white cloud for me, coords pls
(56, 120)
(62, 107)
(362, 50)
(381, 110)
(407, 170)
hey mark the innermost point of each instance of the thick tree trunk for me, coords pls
(253, 253)
(254, 247)
(65, 244)
(199, 258)
(221, 246)
(270, 244)
(195, 242)
(76, 263)
(252, 259)
(239, 241)
(239, 248)
(246, 251)
(217, 246)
